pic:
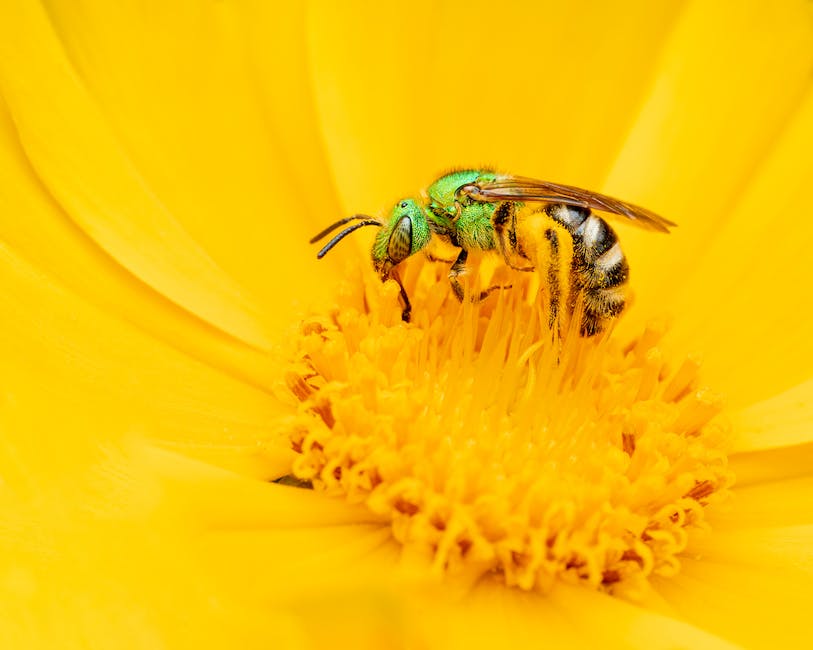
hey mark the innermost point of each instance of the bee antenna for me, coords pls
(344, 233)
(333, 226)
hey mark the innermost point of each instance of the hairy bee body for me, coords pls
(584, 269)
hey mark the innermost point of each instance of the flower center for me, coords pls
(492, 447)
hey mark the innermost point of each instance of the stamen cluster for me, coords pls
(492, 446)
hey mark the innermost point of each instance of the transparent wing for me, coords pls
(517, 188)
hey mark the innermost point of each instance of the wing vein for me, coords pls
(518, 188)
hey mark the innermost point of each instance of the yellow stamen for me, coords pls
(491, 446)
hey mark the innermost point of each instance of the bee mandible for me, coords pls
(480, 209)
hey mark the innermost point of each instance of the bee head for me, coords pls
(405, 233)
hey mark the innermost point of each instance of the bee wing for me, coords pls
(517, 188)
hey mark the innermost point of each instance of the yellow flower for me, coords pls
(162, 167)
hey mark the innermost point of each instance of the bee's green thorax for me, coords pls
(442, 191)
(474, 229)
(470, 221)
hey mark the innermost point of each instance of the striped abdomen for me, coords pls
(598, 267)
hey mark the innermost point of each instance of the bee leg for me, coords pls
(515, 245)
(508, 236)
(458, 269)
(407, 311)
(554, 283)
(292, 481)
(432, 258)
(507, 258)
(484, 294)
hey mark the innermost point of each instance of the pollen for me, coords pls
(492, 443)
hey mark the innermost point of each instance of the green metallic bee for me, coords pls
(480, 210)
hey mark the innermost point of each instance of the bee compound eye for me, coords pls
(400, 243)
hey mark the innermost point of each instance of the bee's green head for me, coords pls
(405, 233)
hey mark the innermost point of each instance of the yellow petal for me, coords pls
(86, 537)
(315, 561)
(772, 439)
(213, 103)
(751, 284)
(766, 505)
(757, 607)
(218, 499)
(82, 164)
(569, 617)
(60, 351)
(629, 626)
(492, 617)
(776, 464)
(730, 77)
(408, 89)
(783, 420)
(788, 548)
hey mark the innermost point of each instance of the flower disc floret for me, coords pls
(490, 445)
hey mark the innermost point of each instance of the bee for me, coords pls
(481, 209)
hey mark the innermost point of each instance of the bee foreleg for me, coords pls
(407, 311)
(484, 294)
(506, 255)
(432, 258)
(507, 235)
(458, 269)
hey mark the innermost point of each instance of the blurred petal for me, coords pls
(83, 166)
(568, 617)
(59, 351)
(36, 228)
(315, 562)
(766, 505)
(219, 499)
(492, 616)
(755, 606)
(548, 89)
(752, 278)
(85, 538)
(773, 464)
(730, 77)
(603, 617)
(212, 101)
(783, 420)
(788, 548)
(773, 439)
(365, 59)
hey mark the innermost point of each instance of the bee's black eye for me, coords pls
(400, 243)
